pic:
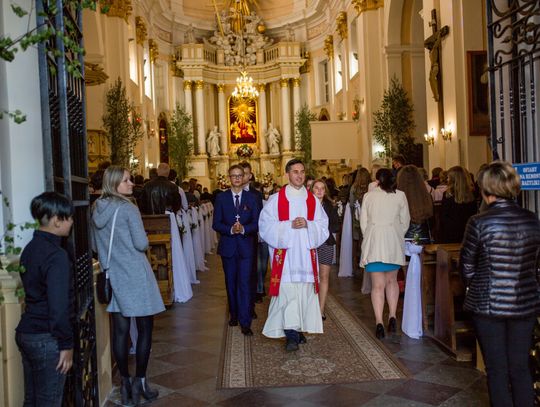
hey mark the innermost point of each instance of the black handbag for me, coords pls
(103, 284)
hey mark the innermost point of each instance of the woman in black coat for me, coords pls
(325, 253)
(499, 266)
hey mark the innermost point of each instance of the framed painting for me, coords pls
(478, 94)
(242, 121)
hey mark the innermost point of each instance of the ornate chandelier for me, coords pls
(244, 87)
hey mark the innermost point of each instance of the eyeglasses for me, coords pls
(236, 175)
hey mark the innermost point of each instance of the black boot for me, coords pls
(125, 391)
(140, 388)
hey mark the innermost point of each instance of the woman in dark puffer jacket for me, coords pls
(498, 263)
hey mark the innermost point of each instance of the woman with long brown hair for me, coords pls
(411, 182)
(325, 252)
(458, 205)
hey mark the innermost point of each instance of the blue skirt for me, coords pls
(379, 266)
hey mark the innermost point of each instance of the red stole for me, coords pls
(279, 254)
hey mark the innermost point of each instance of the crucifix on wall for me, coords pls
(433, 44)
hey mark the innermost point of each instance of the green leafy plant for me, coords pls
(122, 124)
(303, 137)
(393, 122)
(44, 33)
(180, 141)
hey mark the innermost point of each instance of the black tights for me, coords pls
(121, 344)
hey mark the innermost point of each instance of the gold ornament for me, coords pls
(284, 83)
(188, 85)
(153, 49)
(261, 28)
(341, 22)
(199, 84)
(329, 46)
(117, 8)
(366, 5)
(140, 30)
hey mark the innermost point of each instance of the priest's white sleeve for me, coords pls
(318, 227)
(273, 231)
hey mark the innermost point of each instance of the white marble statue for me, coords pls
(272, 139)
(212, 142)
(189, 35)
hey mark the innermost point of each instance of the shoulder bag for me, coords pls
(103, 284)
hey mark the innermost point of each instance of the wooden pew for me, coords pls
(451, 327)
(158, 230)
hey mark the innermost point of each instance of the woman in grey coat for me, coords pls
(135, 290)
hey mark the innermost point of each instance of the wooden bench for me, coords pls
(158, 230)
(452, 328)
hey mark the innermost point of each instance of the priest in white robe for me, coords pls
(294, 224)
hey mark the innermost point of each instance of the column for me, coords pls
(262, 117)
(345, 79)
(285, 116)
(201, 128)
(222, 120)
(296, 105)
(188, 97)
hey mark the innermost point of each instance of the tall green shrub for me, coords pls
(122, 124)
(180, 141)
(393, 123)
(303, 137)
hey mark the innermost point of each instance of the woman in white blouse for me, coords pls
(384, 220)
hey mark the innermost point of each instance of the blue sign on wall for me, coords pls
(529, 174)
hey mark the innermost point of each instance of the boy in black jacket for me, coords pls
(45, 333)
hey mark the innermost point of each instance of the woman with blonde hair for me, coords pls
(410, 181)
(457, 206)
(356, 195)
(499, 264)
(135, 292)
(325, 252)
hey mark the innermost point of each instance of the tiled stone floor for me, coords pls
(187, 344)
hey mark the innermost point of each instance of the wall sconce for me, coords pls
(446, 133)
(430, 138)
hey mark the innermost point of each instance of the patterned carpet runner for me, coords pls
(345, 353)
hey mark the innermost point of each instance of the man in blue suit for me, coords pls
(236, 217)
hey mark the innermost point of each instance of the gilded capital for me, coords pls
(174, 68)
(94, 74)
(220, 88)
(140, 30)
(116, 8)
(188, 85)
(329, 46)
(341, 25)
(199, 84)
(284, 83)
(154, 50)
(366, 5)
(296, 82)
(261, 87)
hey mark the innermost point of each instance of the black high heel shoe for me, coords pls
(140, 388)
(392, 325)
(125, 391)
(379, 331)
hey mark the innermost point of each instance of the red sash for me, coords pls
(279, 254)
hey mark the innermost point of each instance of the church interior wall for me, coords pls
(21, 145)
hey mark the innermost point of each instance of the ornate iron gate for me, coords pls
(66, 171)
(514, 67)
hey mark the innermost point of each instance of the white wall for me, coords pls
(21, 147)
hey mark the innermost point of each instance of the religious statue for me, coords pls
(189, 35)
(433, 44)
(272, 138)
(290, 33)
(212, 142)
